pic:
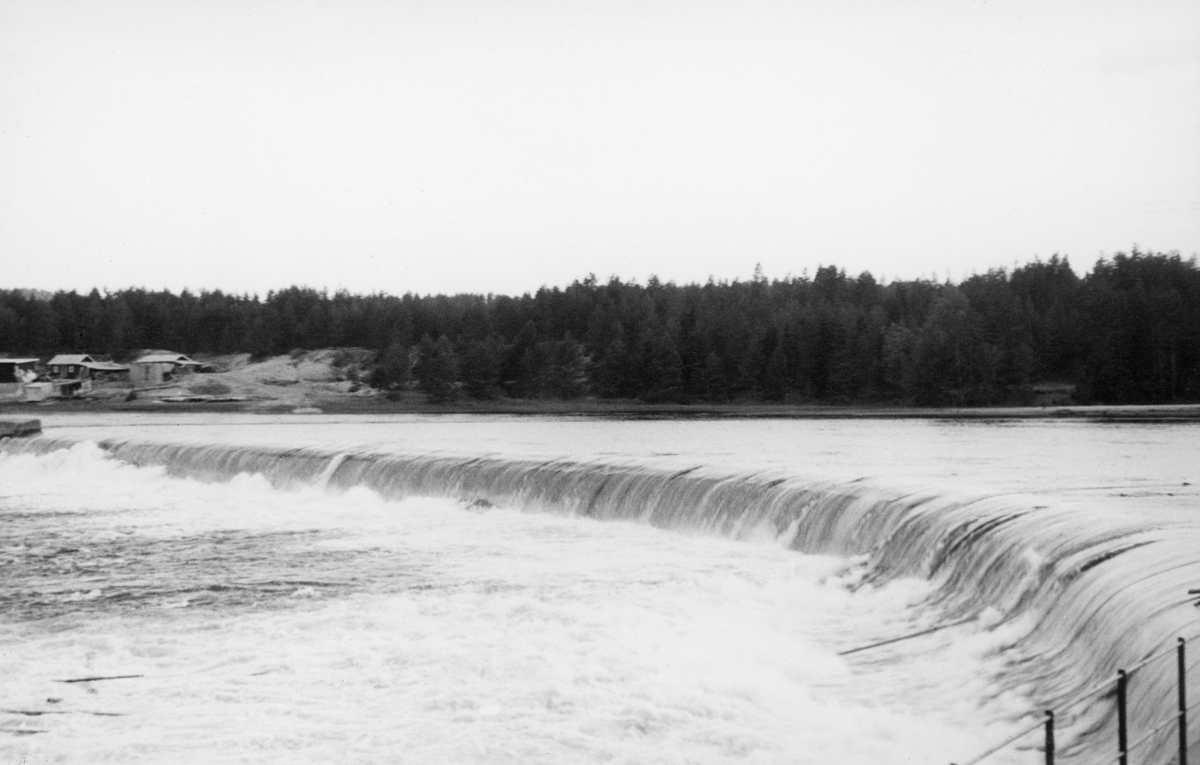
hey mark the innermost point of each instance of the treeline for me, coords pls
(1127, 332)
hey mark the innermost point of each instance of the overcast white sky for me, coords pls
(498, 146)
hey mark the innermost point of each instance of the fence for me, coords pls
(1124, 746)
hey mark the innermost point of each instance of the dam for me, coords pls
(504, 589)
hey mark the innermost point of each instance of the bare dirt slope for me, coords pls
(300, 379)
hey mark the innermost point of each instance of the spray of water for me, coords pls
(1093, 592)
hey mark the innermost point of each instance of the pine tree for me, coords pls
(393, 369)
(480, 368)
(437, 369)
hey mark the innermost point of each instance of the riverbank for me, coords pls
(330, 381)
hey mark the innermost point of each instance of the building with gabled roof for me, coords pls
(70, 366)
(81, 366)
(160, 368)
(70, 358)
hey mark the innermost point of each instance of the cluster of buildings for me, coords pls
(69, 375)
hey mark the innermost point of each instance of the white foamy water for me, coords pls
(1093, 462)
(327, 622)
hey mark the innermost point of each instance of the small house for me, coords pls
(161, 368)
(84, 367)
(67, 366)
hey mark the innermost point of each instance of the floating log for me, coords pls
(94, 679)
(40, 712)
(12, 429)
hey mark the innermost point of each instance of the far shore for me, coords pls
(614, 408)
(331, 381)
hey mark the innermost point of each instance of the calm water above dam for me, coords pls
(312, 588)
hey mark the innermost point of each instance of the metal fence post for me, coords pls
(1122, 730)
(1182, 703)
(1050, 737)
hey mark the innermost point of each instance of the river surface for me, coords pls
(322, 620)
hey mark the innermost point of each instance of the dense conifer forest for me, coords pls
(1126, 332)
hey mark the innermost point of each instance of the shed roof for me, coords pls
(106, 366)
(68, 358)
(17, 361)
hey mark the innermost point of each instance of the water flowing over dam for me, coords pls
(1095, 591)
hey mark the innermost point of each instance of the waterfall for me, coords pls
(1100, 591)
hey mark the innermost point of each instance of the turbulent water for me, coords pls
(572, 590)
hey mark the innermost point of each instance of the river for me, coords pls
(310, 588)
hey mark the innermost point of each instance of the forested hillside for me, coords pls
(1127, 332)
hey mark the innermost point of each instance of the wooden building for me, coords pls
(69, 366)
(161, 369)
(84, 367)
